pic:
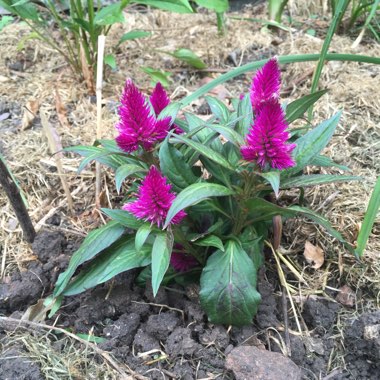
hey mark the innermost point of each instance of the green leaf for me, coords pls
(311, 144)
(218, 108)
(194, 194)
(125, 171)
(110, 60)
(174, 166)
(95, 242)
(284, 59)
(157, 76)
(205, 151)
(162, 249)
(142, 234)
(325, 161)
(218, 6)
(111, 14)
(176, 6)
(118, 258)
(369, 219)
(274, 179)
(24, 11)
(134, 34)
(124, 218)
(91, 338)
(228, 133)
(5, 20)
(211, 241)
(245, 115)
(228, 287)
(316, 179)
(296, 109)
(189, 57)
(99, 154)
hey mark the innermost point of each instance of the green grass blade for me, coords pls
(342, 5)
(369, 219)
(285, 59)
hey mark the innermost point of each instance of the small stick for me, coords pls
(99, 81)
(286, 321)
(55, 148)
(13, 194)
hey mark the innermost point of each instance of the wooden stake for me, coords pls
(13, 194)
(99, 81)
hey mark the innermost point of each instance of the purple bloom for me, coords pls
(267, 139)
(160, 100)
(154, 200)
(266, 84)
(181, 261)
(137, 125)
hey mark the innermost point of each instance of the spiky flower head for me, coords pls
(138, 126)
(160, 100)
(180, 260)
(154, 200)
(265, 85)
(267, 139)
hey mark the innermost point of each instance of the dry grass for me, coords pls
(352, 88)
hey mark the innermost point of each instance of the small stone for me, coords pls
(123, 329)
(251, 363)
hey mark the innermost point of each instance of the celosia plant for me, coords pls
(201, 204)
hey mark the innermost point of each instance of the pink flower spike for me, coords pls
(267, 139)
(159, 99)
(266, 84)
(180, 261)
(137, 124)
(154, 200)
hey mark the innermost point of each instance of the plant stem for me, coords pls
(13, 194)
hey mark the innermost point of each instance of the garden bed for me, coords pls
(168, 336)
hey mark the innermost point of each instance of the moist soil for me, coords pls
(168, 336)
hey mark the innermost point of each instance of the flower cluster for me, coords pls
(138, 125)
(154, 200)
(266, 142)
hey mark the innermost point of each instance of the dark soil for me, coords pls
(134, 322)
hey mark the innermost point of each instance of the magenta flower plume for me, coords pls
(137, 124)
(154, 200)
(266, 84)
(160, 100)
(267, 139)
(181, 261)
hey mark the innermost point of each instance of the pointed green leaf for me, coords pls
(125, 171)
(274, 179)
(95, 242)
(111, 14)
(134, 34)
(110, 60)
(369, 219)
(123, 217)
(142, 234)
(218, 6)
(211, 241)
(188, 56)
(311, 144)
(218, 108)
(296, 109)
(228, 287)
(194, 194)
(316, 179)
(177, 6)
(174, 166)
(170, 110)
(205, 151)
(162, 249)
(325, 161)
(229, 134)
(245, 115)
(119, 257)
